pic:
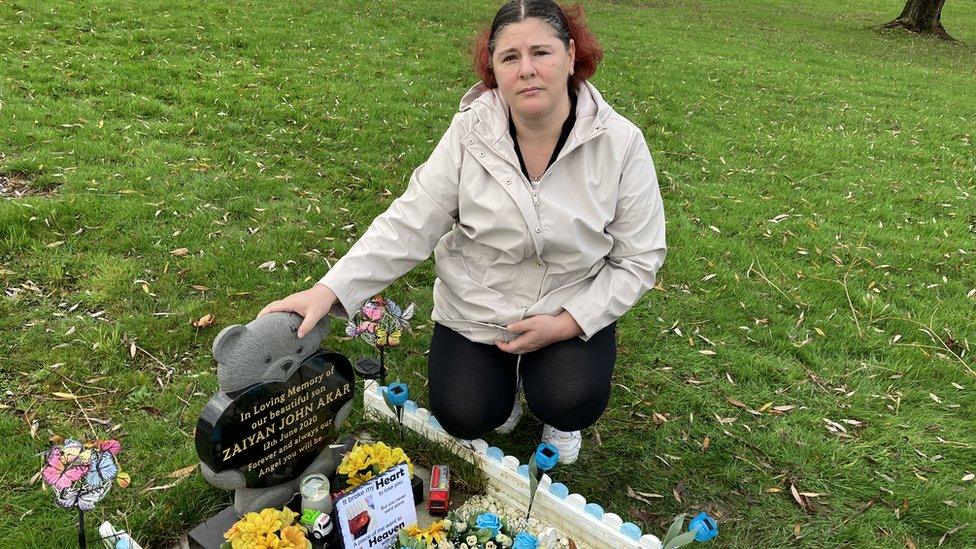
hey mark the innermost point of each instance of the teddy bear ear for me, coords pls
(226, 340)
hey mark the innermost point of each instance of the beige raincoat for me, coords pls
(587, 238)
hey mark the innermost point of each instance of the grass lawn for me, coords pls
(811, 331)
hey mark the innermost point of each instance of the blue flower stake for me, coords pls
(525, 540)
(396, 396)
(704, 527)
(545, 458)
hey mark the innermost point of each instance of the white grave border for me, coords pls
(508, 481)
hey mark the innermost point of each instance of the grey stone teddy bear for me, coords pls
(255, 361)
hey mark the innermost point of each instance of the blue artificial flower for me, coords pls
(704, 526)
(525, 540)
(489, 521)
(546, 456)
(397, 393)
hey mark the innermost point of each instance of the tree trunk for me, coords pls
(922, 16)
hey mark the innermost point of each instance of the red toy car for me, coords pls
(440, 490)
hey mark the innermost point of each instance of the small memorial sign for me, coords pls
(271, 432)
(372, 515)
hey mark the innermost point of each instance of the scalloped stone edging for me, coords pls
(585, 522)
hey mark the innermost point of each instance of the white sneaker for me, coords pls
(568, 443)
(512, 421)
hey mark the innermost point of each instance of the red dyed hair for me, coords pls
(589, 52)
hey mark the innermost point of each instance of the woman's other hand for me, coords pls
(538, 331)
(313, 304)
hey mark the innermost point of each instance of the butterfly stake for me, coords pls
(380, 323)
(82, 474)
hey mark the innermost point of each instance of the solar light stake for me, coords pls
(545, 458)
(81, 529)
(396, 396)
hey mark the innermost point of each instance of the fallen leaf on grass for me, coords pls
(184, 472)
(55, 244)
(677, 490)
(706, 443)
(868, 505)
(706, 352)
(642, 515)
(179, 252)
(798, 498)
(642, 496)
(951, 532)
(910, 544)
(267, 266)
(968, 477)
(199, 287)
(203, 322)
(151, 488)
(737, 403)
(65, 396)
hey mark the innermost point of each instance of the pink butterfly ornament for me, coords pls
(111, 445)
(372, 311)
(63, 468)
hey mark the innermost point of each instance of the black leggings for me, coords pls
(473, 385)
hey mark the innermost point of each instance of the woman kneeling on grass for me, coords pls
(541, 206)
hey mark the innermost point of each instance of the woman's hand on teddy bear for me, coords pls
(312, 304)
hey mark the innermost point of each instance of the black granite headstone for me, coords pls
(271, 432)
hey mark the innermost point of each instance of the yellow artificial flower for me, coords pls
(355, 460)
(268, 541)
(381, 455)
(432, 535)
(356, 480)
(271, 518)
(232, 533)
(253, 530)
(294, 537)
(287, 517)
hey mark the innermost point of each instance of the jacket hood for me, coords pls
(492, 110)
